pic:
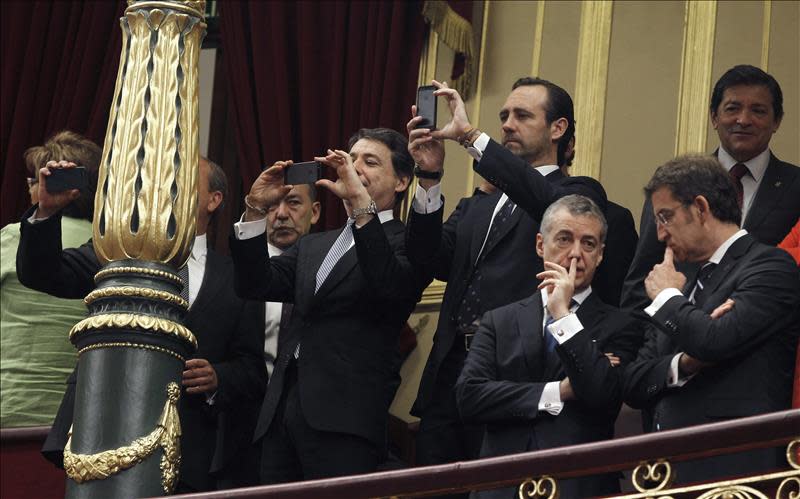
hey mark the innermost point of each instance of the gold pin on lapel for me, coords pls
(778, 183)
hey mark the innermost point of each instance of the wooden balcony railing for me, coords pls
(624, 454)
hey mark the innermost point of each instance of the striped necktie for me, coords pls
(339, 248)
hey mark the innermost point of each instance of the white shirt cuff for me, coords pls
(550, 401)
(477, 147)
(675, 380)
(565, 328)
(427, 201)
(661, 299)
(249, 230)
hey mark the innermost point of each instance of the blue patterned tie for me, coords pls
(339, 248)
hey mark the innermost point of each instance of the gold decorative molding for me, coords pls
(433, 294)
(128, 291)
(545, 487)
(146, 202)
(125, 344)
(765, 32)
(114, 271)
(591, 81)
(659, 473)
(476, 109)
(195, 8)
(537, 38)
(101, 465)
(695, 80)
(134, 321)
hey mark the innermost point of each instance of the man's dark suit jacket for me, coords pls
(229, 334)
(751, 348)
(772, 213)
(508, 366)
(347, 371)
(509, 267)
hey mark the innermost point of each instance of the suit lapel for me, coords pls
(512, 221)
(725, 267)
(529, 329)
(769, 193)
(480, 226)
(210, 285)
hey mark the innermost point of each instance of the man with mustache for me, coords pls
(725, 341)
(746, 110)
(287, 221)
(486, 250)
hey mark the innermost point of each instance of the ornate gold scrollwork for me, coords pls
(733, 492)
(659, 472)
(151, 294)
(85, 467)
(545, 487)
(134, 321)
(790, 487)
(125, 344)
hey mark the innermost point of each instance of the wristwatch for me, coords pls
(420, 173)
(371, 209)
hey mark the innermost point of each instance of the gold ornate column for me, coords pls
(125, 436)
(695, 85)
(590, 85)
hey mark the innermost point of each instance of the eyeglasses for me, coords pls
(32, 181)
(665, 216)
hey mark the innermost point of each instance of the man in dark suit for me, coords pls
(620, 243)
(224, 379)
(746, 110)
(536, 375)
(325, 410)
(485, 251)
(725, 341)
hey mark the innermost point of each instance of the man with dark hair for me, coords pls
(34, 368)
(746, 110)
(486, 250)
(325, 410)
(724, 343)
(226, 375)
(536, 375)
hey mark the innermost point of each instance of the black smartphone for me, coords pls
(64, 179)
(302, 173)
(426, 106)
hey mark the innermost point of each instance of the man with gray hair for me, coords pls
(536, 374)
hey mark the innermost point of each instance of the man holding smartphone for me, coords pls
(486, 250)
(325, 410)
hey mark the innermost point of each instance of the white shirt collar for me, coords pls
(757, 164)
(385, 215)
(273, 250)
(579, 297)
(546, 170)
(200, 247)
(723, 248)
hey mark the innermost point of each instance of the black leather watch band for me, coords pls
(420, 173)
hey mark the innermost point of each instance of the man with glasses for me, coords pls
(746, 110)
(723, 343)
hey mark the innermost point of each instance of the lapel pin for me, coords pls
(778, 183)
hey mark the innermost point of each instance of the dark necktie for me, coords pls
(550, 340)
(471, 308)
(339, 248)
(183, 273)
(703, 277)
(736, 172)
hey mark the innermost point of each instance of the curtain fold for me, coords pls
(59, 66)
(304, 76)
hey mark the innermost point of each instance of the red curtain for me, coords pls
(59, 66)
(303, 76)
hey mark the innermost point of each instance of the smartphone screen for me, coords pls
(64, 179)
(426, 106)
(302, 173)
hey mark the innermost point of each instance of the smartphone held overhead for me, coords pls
(65, 179)
(426, 106)
(302, 173)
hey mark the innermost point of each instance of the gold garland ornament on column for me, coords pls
(455, 32)
(84, 467)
